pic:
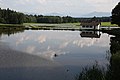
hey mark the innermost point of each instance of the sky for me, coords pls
(66, 7)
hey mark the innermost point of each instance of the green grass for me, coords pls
(11, 25)
(62, 25)
(67, 25)
(92, 73)
(57, 26)
(107, 24)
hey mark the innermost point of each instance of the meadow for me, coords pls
(64, 25)
(108, 24)
(55, 26)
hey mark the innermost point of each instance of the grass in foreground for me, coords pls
(92, 73)
(97, 73)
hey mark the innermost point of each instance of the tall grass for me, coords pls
(92, 73)
(97, 73)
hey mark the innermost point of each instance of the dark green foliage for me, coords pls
(13, 19)
(9, 31)
(115, 44)
(29, 19)
(49, 19)
(8, 16)
(2, 20)
(116, 15)
(92, 73)
(113, 69)
(115, 66)
(113, 72)
(68, 19)
(101, 19)
(20, 18)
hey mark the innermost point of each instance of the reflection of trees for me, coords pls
(92, 73)
(113, 70)
(114, 67)
(115, 44)
(9, 31)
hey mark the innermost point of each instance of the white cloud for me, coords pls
(41, 1)
(85, 42)
(98, 1)
(66, 7)
(102, 5)
(41, 39)
(30, 49)
(25, 2)
(22, 38)
(64, 44)
(1, 3)
(62, 6)
(48, 48)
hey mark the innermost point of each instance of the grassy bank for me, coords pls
(67, 25)
(11, 25)
(53, 26)
(62, 25)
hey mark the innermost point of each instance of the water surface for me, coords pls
(50, 55)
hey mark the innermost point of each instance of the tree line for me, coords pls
(8, 16)
(116, 15)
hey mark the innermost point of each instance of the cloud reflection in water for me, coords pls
(47, 44)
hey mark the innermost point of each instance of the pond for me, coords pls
(50, 55)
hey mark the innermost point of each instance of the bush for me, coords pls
(92, 73)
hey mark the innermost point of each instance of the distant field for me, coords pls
(11, 25)
(62, 25)
(45, 25)
(65, 25)
(107, 24)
